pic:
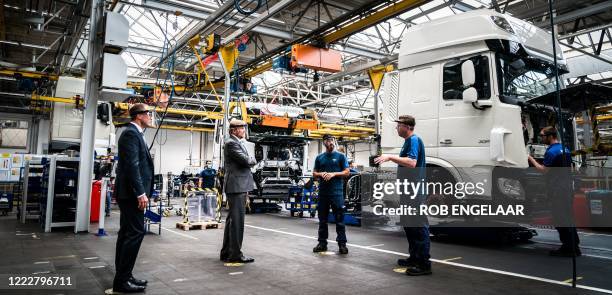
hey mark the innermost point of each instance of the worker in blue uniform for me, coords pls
(207, 176)
(331, 167)
(556, 166)
(353, 168)
(411, 166)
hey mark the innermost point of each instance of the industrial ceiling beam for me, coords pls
(261, 29)
(585, 31)
(601, 57)
(376, 17)
(258, 20)
(353, 21)
(27, 74)
(579, 13)
(198, 29)
(75, 29)
(2, 27)
(202, 16)
(362, 52)
(358, 69)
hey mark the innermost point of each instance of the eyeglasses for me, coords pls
(149, 113)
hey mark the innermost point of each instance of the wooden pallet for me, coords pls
(197, 225)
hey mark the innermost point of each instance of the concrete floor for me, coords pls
(179, 262)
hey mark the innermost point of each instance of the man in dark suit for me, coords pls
(238, 181)
(133, 187)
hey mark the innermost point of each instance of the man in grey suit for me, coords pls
(238, 181)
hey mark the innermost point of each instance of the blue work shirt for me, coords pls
(414, 148)
(558, 179)
(208, 177)
(331, 162)
(554, 156)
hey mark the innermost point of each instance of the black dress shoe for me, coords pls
(138, 282)
(242, 259)
(342, 249)
(407, 262)
(320, 247)
(128, 287)
(418, 270)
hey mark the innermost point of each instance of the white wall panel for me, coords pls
(173, 153)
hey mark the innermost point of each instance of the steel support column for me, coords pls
(88, 130)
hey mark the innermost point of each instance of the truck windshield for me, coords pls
(522, 78)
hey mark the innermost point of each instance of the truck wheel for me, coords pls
(312, 214)
(301, 214)
(439, 174)
(292, 213)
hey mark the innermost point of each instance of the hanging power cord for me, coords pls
(244, 10)
(239, 9)
(170, 68)
(561, 123)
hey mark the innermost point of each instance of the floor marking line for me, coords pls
(569, 281)
(597, 256)
(180, 234)
(581, 247)
(235, 273)
(60, 257)
(579, 232)
(89, 258)
(98, 266)
(400, 269)
(451, 259)
(377, 245)
(41, 262)
(485, 269)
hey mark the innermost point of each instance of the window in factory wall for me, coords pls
(13, 134)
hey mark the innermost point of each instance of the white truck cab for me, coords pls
(465, 78)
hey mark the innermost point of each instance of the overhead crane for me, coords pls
(330, 34)
(333, 36)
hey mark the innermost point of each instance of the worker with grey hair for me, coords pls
(238, 182)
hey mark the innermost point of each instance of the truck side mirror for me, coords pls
(470, 95)
(468, 73)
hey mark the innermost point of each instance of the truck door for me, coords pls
(464, 130)
(412, 91)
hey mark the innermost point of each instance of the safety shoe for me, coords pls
(418, 270)
(342, 249)
(320, 248)
(407, 262)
